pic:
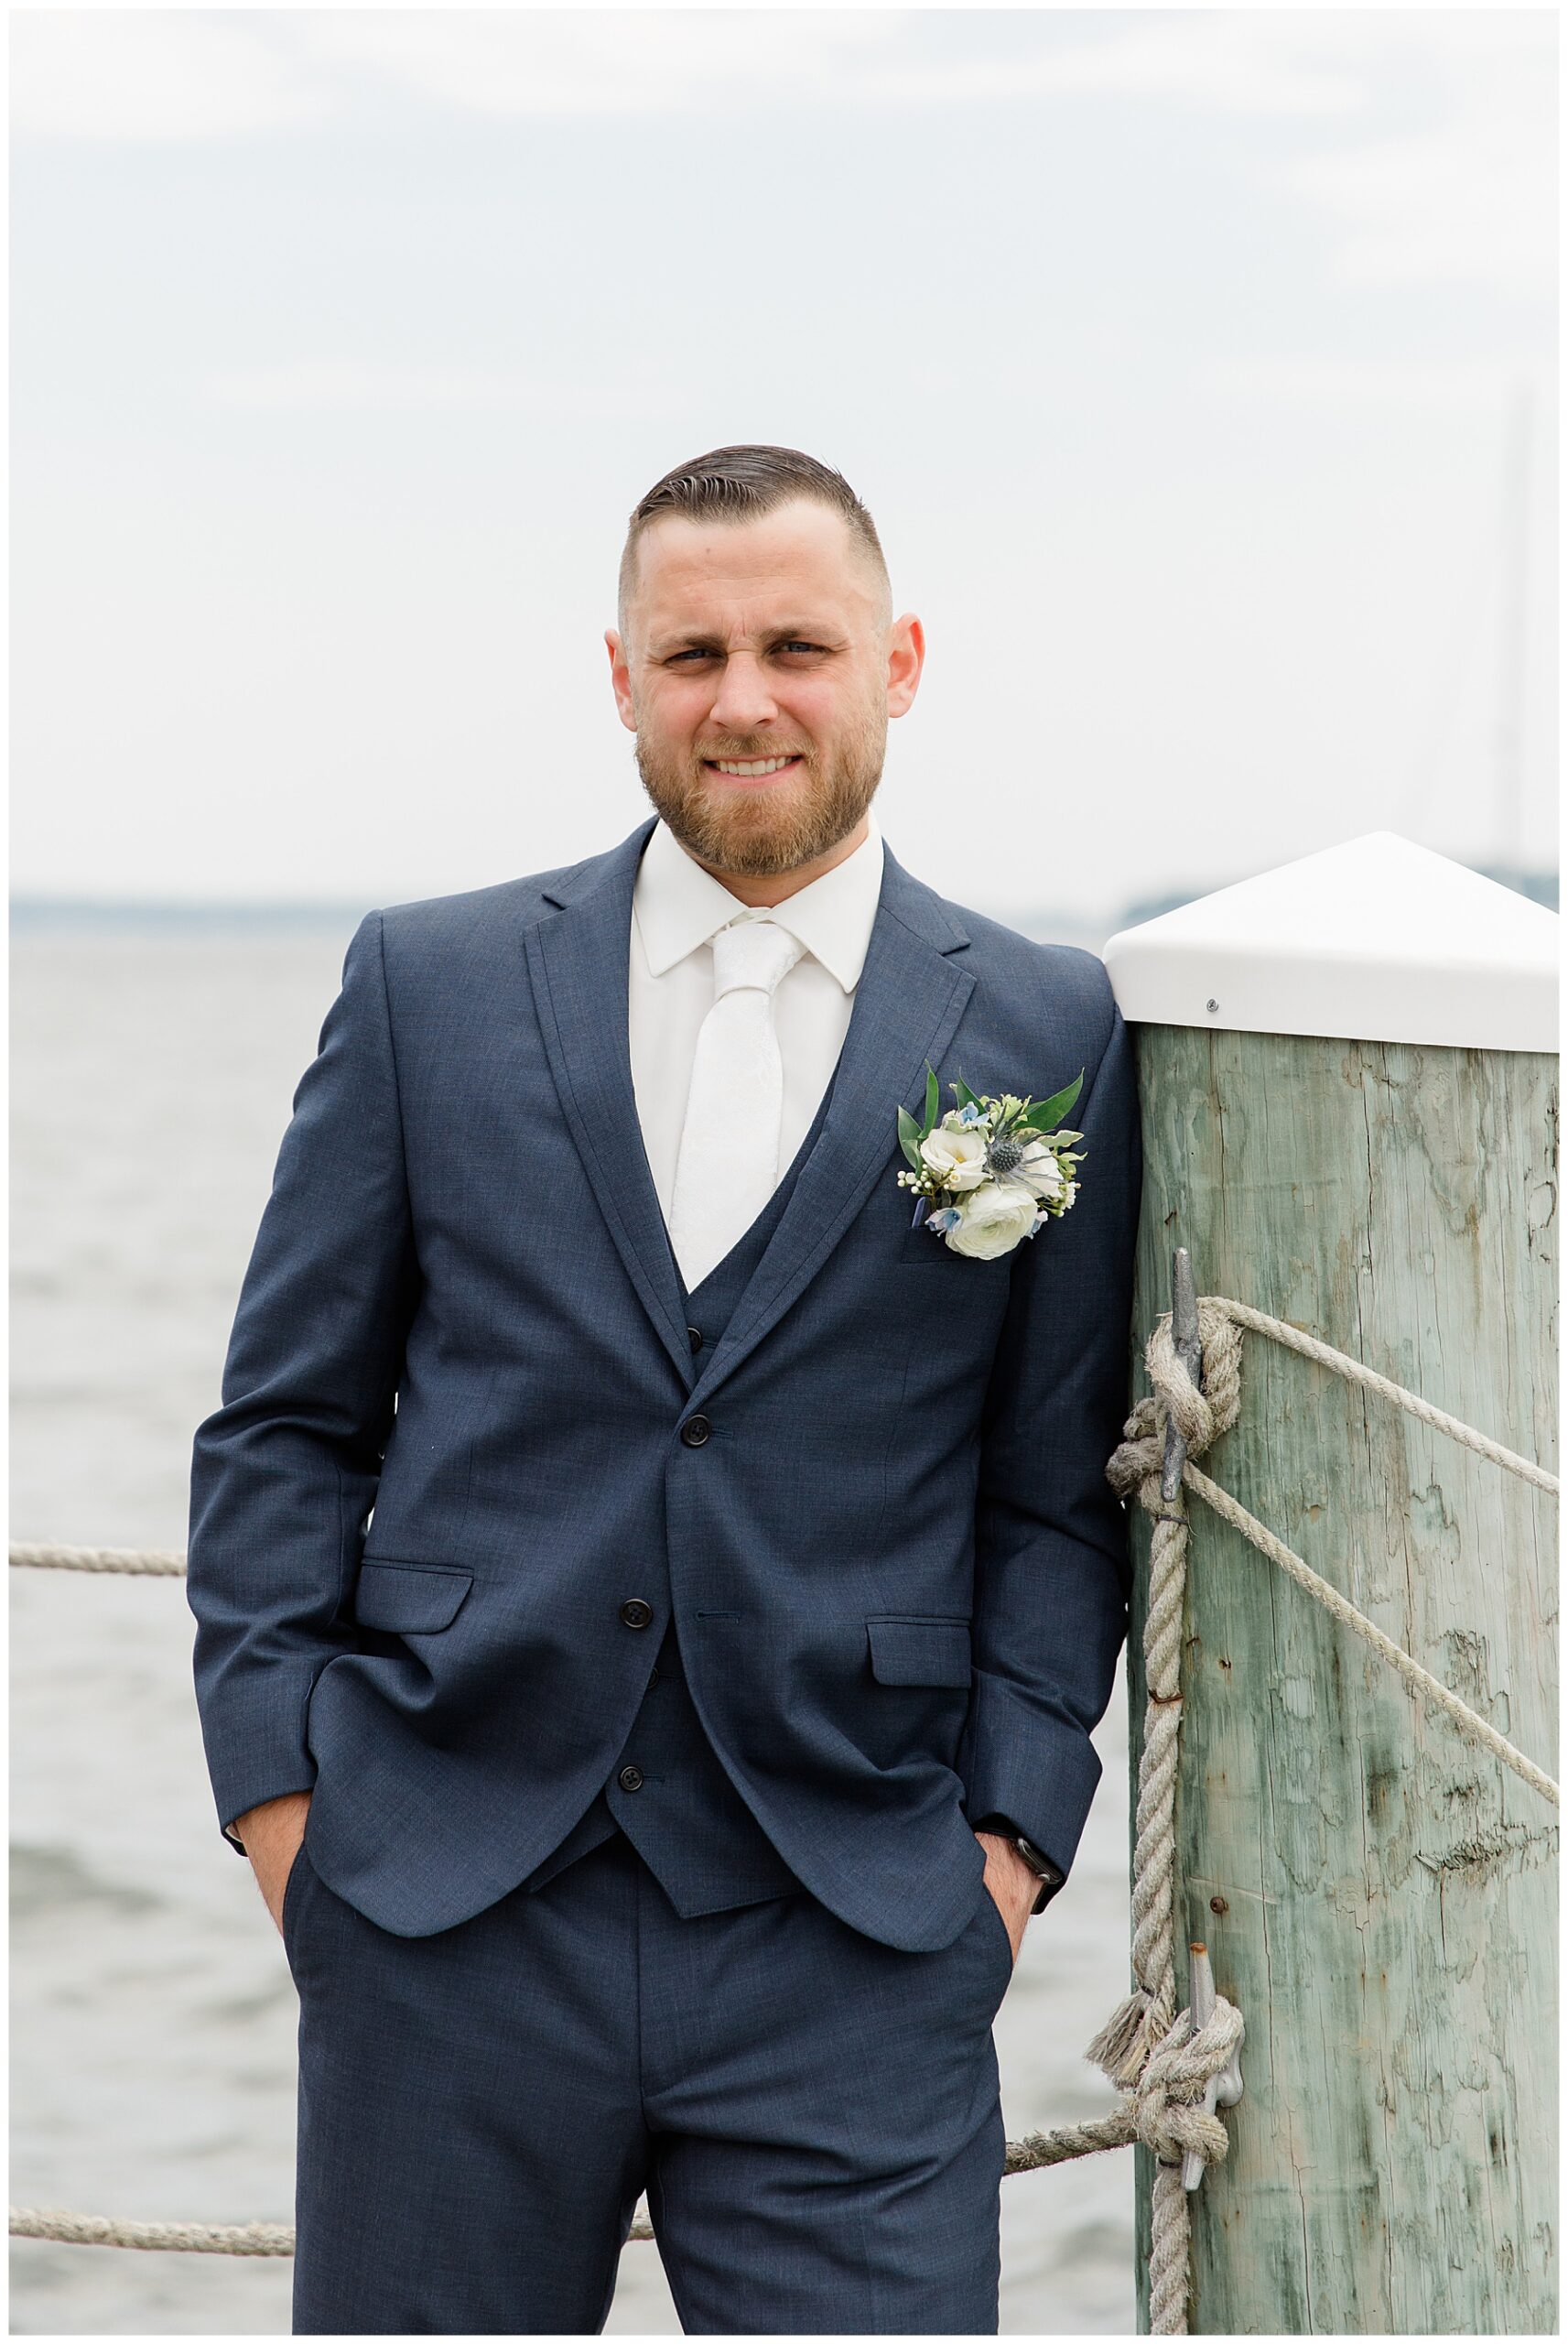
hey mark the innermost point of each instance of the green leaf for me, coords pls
(964, 1095)
(909, 1139)
(1047, 1114)
(932, 1103)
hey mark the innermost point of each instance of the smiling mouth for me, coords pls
(751, 768)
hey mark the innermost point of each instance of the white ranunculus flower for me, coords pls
(955, 1154)
(1040, 1171)
(995, 1218)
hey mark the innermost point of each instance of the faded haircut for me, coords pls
(740, 484)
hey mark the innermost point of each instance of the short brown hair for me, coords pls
(740, 484)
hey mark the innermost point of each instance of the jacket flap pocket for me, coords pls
(919, 1652)
(409, 1599)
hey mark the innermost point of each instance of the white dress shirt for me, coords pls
(675, 907)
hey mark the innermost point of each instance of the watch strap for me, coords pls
(1049, 1873)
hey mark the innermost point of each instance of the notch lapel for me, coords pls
(907, 1006)
(578, 963)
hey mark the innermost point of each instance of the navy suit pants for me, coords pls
(814, 2116)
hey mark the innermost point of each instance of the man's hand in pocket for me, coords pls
(271, 1835)
(1012, 1885)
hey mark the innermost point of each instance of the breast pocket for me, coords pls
(919, 1652)
(924, 1248)
(409, 1599)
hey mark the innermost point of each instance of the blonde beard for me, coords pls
(752, 836)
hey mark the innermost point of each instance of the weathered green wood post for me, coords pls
(1350, 1117)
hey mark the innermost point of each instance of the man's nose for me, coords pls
(745, 698)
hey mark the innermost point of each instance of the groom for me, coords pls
(653, 1598)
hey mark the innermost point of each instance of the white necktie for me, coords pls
(728, 1165)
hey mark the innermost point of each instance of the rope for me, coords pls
(185, 2238)
(1419, 1681)
(159, 1562)
(1138, 2046)
(1141, 1453)
(1163, 2064)
(189, 2237)
(1278, 1330)
(1145, 2029)
(168, 1561)
(1165, 2114)
(1164, 2108)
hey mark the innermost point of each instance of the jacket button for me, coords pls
(629, 1778)
(693, 1337)
(635, 1613)
(653, 1678)
(694, 1431)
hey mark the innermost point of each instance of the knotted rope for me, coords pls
(1201, 1416)
(1162, 2063)
(1126, 2042)
(1144, 2047)
(1164, 2107)
(1165, 2110)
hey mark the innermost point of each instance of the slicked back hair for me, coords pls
(740, 484)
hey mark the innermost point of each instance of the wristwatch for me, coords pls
(1050, 1875)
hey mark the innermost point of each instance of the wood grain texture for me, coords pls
(1378, 1896)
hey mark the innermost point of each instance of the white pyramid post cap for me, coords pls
(1375, 940)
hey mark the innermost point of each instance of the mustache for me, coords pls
(748, 755)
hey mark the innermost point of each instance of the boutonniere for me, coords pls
(993, 1171)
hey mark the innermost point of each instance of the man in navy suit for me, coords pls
(654, 1597)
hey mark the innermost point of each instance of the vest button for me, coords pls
(635, 1613)
(694, 1431)
(653, 1678)
(693, 1337)
(629, 1778)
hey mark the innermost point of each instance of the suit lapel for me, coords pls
(907, 1006)
(578, 963)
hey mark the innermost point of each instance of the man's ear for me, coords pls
(906, 659)
(619, 678)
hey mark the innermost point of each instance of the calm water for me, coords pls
(152, 2017)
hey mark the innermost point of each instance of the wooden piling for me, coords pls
(1378, 1896)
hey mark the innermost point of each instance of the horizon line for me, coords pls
(29, 905)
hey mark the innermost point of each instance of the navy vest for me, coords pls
(668, 1790)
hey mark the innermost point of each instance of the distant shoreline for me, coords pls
(34, 915)
(69, 916)
(44, 915)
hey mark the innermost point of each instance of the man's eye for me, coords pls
(696, 651)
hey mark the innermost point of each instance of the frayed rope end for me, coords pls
(1124, 2044)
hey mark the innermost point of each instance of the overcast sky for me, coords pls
(1179, 357)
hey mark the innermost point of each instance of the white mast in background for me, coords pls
(1513, 606)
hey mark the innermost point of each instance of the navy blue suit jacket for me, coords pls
(896, 1571)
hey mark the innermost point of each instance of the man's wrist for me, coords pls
(1043, 1867)
(259, 1823)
